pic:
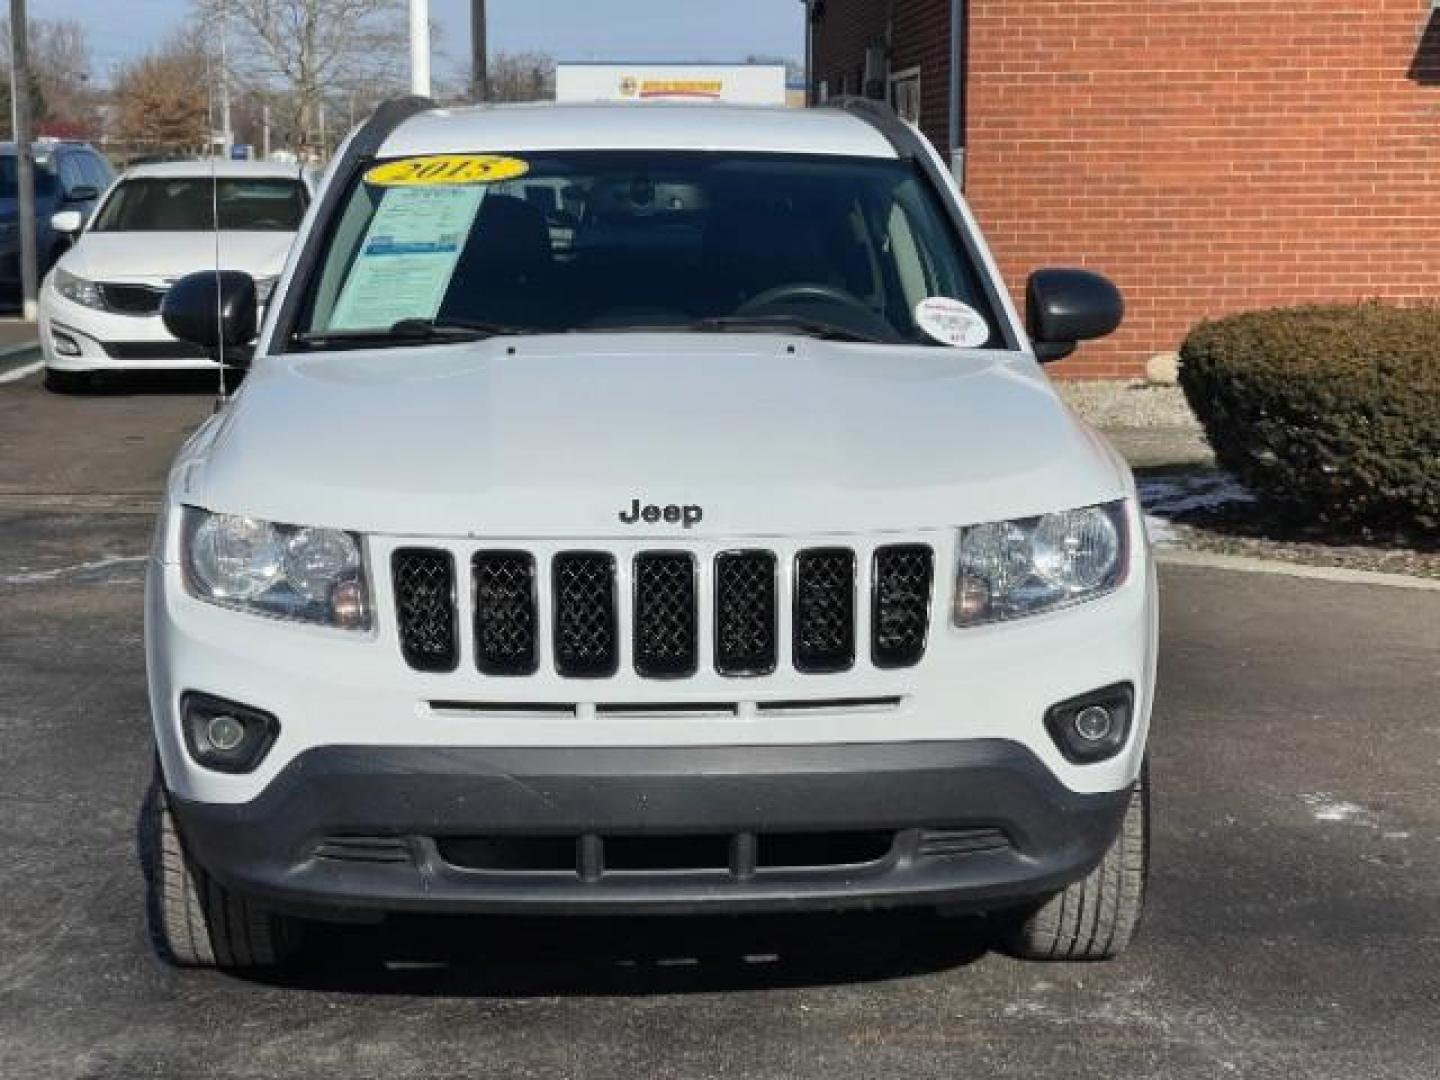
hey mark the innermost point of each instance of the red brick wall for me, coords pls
(919, 37)
(1209, 155)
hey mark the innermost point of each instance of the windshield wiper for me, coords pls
(794, 324)
(406, 331)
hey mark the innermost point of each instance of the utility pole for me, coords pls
(420, 47)
(265, 131)
(226, 132)
(24, 158)
(479, 53)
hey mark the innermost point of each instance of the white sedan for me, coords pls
(100, 305)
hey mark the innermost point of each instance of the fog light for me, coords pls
(224, 732)
(65, 345)
(1093, 723)
(1093, 726)
(225, 735)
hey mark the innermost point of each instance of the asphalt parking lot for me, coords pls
(1294, 927)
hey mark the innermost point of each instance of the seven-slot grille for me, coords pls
(745, 610)
(505, 616)
(824, 609)
(586, 630)
(582, 626)
(665, 634)
(900, 605)
(425, 604)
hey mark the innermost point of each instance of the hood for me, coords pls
(556, 436)
(160, 256)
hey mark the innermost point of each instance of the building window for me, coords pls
(905, 94)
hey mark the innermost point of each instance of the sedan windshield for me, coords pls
(612, 241)
(189, 204)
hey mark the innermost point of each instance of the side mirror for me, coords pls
(67, 222)
(1064, 307)
(82, 193)
(213, 309)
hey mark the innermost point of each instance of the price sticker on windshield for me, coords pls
(951, 322)
(443, 169)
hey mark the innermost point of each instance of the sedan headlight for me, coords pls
(287, 571)
(78, 289)
(1009, 569)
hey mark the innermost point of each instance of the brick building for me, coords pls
(1209, 155)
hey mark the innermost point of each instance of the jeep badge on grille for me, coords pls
(688, 515)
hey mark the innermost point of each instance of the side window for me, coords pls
(71, 176)
(96, 170)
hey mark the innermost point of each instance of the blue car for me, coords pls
(68, 176)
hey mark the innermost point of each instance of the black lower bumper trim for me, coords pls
(405, 807)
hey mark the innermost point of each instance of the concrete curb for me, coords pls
(1249, 564)
(19, 361)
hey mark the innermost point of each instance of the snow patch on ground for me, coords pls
(1328, 809)
(86, 569)
(1167, 496)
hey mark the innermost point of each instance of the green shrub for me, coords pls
(1329, 413)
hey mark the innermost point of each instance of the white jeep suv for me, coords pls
(645, 508)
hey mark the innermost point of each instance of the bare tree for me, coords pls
(63, 101)
(161, 105)
(308, 51)
(526, 76)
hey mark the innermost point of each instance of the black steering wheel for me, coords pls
(802, 292)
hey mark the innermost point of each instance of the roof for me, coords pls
(220, 167)
(637, 126)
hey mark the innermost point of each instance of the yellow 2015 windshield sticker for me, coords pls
(447, 169)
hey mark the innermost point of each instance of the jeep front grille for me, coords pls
(824, 609)
(570, 614)
(665, 624)
(586, 633)
(900, 605)
(745, 613)
(505, 615)
(425, 604)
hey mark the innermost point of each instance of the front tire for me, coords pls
(194, 921)
(1096, 917)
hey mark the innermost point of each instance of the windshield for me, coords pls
(610, 241)
(186, 204)
(45, 182)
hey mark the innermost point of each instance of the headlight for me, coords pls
(1008, 569)
(288, 571)
(78, 289)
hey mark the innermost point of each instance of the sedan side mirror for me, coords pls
(67, 222)
(1065, 307)
(214, 309)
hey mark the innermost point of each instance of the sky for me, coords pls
(566, 29)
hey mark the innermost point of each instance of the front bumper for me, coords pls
(111, 342)
(348, 832)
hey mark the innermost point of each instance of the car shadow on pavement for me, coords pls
(626, 956)
(141, 383)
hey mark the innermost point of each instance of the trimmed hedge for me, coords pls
(1329, 413)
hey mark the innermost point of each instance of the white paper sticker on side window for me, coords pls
(952, 322)
(408, 255)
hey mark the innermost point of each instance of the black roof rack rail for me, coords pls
(883, 119)
(363, 146)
